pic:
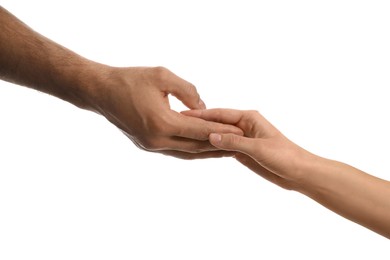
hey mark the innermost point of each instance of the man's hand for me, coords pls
(136, 101)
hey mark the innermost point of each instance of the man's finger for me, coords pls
(199, 129)
(186, 145)
(202, 155)
(178, 144)
(181, 89)
(226, 116)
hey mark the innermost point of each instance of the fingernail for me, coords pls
(215, 138)
(202, 104)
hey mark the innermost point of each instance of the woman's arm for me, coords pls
(348, 191)
(351, 193)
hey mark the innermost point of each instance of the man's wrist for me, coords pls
(80, 82)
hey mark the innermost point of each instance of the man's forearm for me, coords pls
(30, 59)
(358, 196)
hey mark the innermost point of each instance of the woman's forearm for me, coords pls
(355, 195)
(351, 193)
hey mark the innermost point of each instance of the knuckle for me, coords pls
(232, 140)
(160, 126)
(249, 122)
(160, 73)
(191, 90)
(253, 113)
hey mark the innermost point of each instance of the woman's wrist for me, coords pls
(316, 173)
(306, 167)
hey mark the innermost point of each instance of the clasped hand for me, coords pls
(136, 101)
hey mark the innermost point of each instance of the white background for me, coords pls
(73, 187)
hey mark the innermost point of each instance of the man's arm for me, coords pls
(134, 99)
(29, 59)
(351, 193)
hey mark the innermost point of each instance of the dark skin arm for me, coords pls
(135, 99)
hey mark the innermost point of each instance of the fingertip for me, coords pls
(215, 139)
(201, 103)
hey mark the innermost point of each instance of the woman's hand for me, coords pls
(263, 149)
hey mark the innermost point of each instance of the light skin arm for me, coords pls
(135, 99)
(348, 191)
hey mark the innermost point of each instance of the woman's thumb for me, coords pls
(232, 142)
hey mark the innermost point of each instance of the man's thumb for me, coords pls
(232, 142)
